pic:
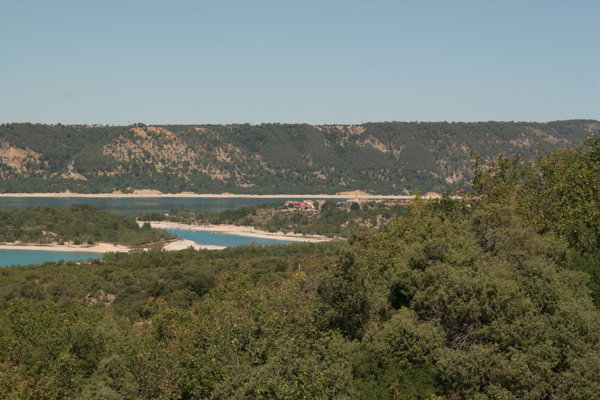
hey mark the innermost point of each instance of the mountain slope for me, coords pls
(388, 157)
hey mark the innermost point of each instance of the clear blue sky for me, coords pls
(120, 62)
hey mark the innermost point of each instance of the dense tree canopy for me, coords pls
(559, 194)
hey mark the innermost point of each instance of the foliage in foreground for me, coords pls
(450, 302)
(486, 302)
(559, 194)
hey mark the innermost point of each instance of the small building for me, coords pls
(306, 205)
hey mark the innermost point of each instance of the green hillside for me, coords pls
(385, 158)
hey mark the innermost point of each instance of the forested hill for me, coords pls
(385, 158)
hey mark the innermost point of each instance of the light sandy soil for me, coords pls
(240, 231)
(157, 194)
(182, 244)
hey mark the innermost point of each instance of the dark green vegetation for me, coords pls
(558, 195)
(389, 157)
(341, 219)
(483, 298)
(78, 224)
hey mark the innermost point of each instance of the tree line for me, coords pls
(78, 224)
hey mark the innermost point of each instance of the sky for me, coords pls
(352, 61)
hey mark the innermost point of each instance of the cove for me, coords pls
(221, 239)
(27, 257)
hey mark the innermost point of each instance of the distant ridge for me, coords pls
(381, 158)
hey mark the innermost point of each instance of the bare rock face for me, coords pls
(22, 161)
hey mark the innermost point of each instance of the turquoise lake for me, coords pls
(26, 257)
(220, 239)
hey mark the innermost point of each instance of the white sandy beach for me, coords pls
(183, 244)
(240, 231)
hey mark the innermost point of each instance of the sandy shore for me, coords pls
(183, 244)
(96, 248)
(240, 231)
(178, 244)
(215, 195)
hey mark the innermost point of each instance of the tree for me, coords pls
(483, 299)
(343, 296)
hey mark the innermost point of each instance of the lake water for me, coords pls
(220, 239)
(133, 206)
(27, 257)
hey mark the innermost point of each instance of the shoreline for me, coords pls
(182, 244)
(237, 230)
(96, 248)
(219, 195)
(175, 245)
